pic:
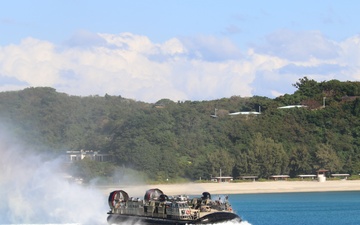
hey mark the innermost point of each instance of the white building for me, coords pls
(89, 154)
(292, 106)
(244, 113)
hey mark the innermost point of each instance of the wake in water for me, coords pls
(236, 223)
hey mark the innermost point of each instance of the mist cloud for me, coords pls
(33, 190)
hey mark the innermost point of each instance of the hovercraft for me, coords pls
(158, 208)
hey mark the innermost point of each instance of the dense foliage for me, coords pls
(169, 140)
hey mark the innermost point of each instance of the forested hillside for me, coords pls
(171, 140)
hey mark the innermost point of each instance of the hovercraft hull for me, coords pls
(212, 218)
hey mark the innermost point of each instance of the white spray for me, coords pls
(33, 191)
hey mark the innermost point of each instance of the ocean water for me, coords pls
(317, 208)
(320, 208)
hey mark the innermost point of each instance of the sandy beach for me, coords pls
(242, 188)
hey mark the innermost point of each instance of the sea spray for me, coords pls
(234, 223)
(32, 190)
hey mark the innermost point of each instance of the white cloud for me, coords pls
(83, 38)
(126, 65)
(211, 48)
(173, 47)
(276, 93)
(350, 57)
(191, 68)
(33, 61)
(299, 46)
(301, 54)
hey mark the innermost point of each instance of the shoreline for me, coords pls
(255, 187)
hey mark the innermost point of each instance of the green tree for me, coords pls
(300, 161)
(326, 158)
(265, 157)
(221, 160)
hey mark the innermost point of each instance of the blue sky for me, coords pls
(181, 50)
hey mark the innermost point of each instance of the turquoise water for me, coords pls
(324, 208)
